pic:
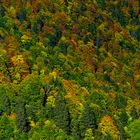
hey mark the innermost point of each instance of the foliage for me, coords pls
(108, 129)
(133, 129)
(69, 70)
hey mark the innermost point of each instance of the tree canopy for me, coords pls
(69, 69)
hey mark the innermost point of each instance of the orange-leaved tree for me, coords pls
(108, 129)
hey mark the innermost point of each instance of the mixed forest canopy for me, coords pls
(69, 69)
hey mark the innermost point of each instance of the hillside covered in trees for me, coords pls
(69, 69)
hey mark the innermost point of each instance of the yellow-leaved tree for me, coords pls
(108, 129)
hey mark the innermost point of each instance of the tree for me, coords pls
(88, 120)
(134, 129)
(89, 134)
(6, 129)
(108, 129)
(60, 114)
(21, 116)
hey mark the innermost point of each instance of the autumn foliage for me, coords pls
(69, 69)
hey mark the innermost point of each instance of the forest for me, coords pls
(69, 69)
